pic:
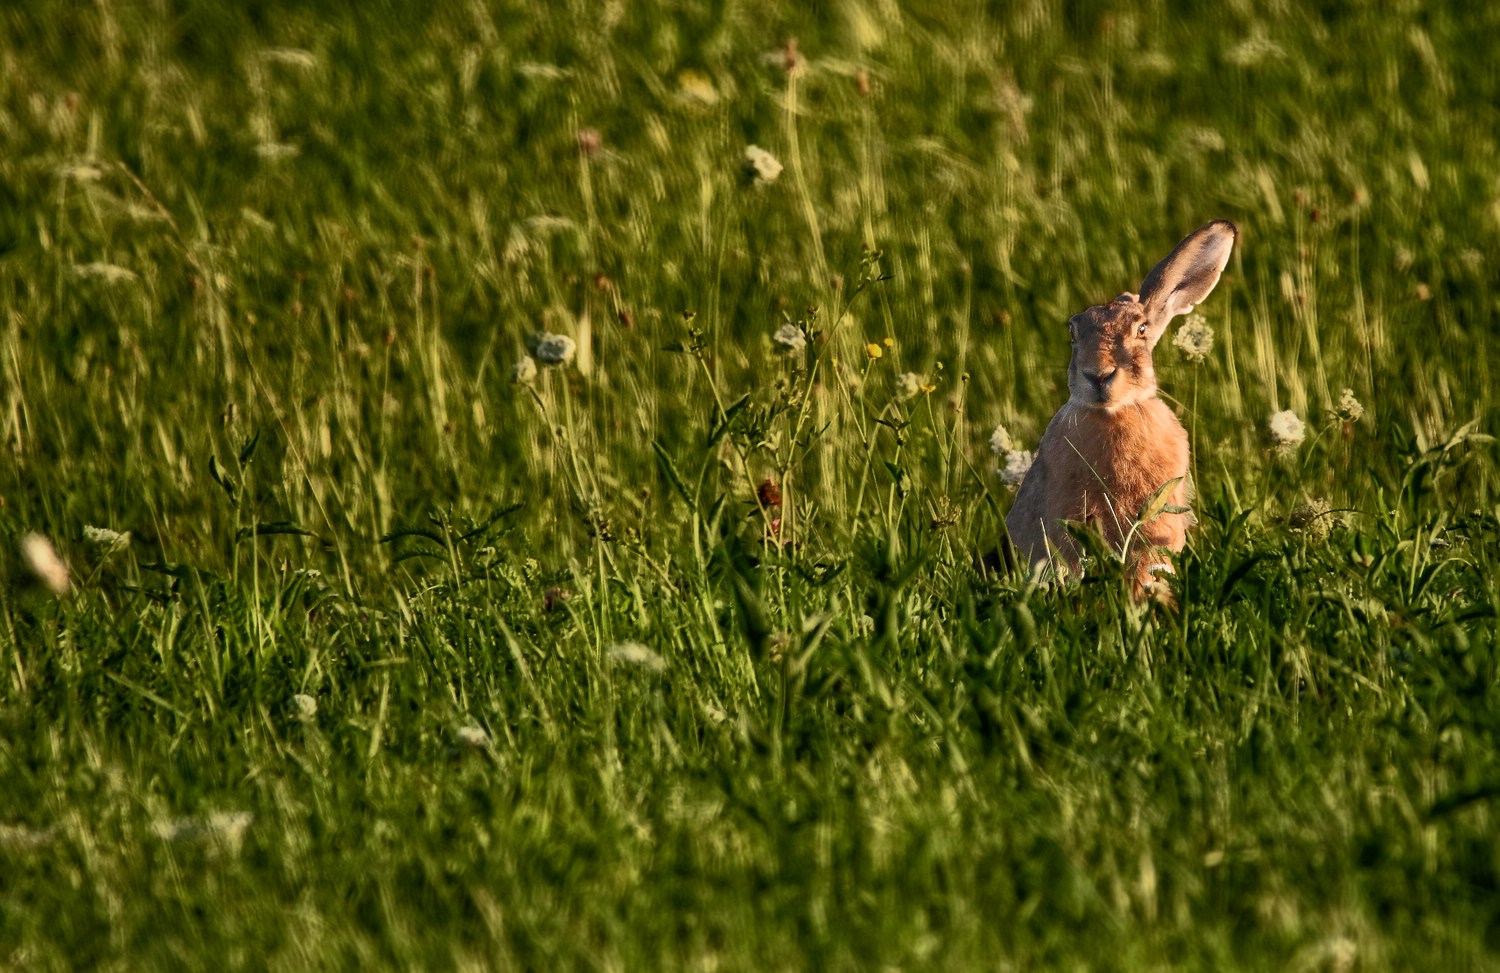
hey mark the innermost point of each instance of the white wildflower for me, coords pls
(226, 827)
(1314, 520)
(107, 540)
(789, 338)
(1204, 139)
(636, 654)
(764, 168)
(555, 349)
(473, 736)
(304, 707)
(524, 371)
(909, 385)
(1194, 338)
(1287, 431)
(1349, 408)
(273, 151)
(1017, 463)
(1001, 441)
(20, 836)
(109, 273)
(41, 557)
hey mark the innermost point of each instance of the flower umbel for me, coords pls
(555, 349)
(1287, 431)
(1001, 441)
(1313, 520)
(789, 339)
(108, 541)
(636, 654)
(763, 167)
(524, 371)
(304, 707)
(473, 736)
(1349, 408)
(1017, 463)
(1194, 338)
(909, 385)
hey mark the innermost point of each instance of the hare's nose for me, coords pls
(1101, 382)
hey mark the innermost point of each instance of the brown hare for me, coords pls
(1115, 445)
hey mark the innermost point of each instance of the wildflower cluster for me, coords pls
(1015, 462)
(1194, 338)
(1349, 408)
(1287, 431)
(762, 167)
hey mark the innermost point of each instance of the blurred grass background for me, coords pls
(265, 273)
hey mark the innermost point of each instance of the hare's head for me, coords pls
(1111, 366)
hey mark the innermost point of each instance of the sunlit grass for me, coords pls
(686, 649)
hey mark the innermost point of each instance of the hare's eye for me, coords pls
(1140, 331)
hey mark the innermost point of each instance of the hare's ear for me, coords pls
(1189, 273)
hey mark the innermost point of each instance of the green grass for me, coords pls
(583, 700)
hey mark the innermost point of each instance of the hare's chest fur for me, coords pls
(1112, 462)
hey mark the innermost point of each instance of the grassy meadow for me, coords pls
(680, 653)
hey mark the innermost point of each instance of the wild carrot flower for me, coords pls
(789, 339)
(1314, 520)
(1194, 338)
(222, 827)
(1017, 463)
(524, 371)
(1001, 441)
(1349, 408)
(763, 167)
(909, 385)
(473, 736)
(108, 541)
(636, 654)
(555, 349)
(1287, 431)
(304, 707)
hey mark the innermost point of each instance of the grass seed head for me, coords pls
(43, 561)
(524, 371)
